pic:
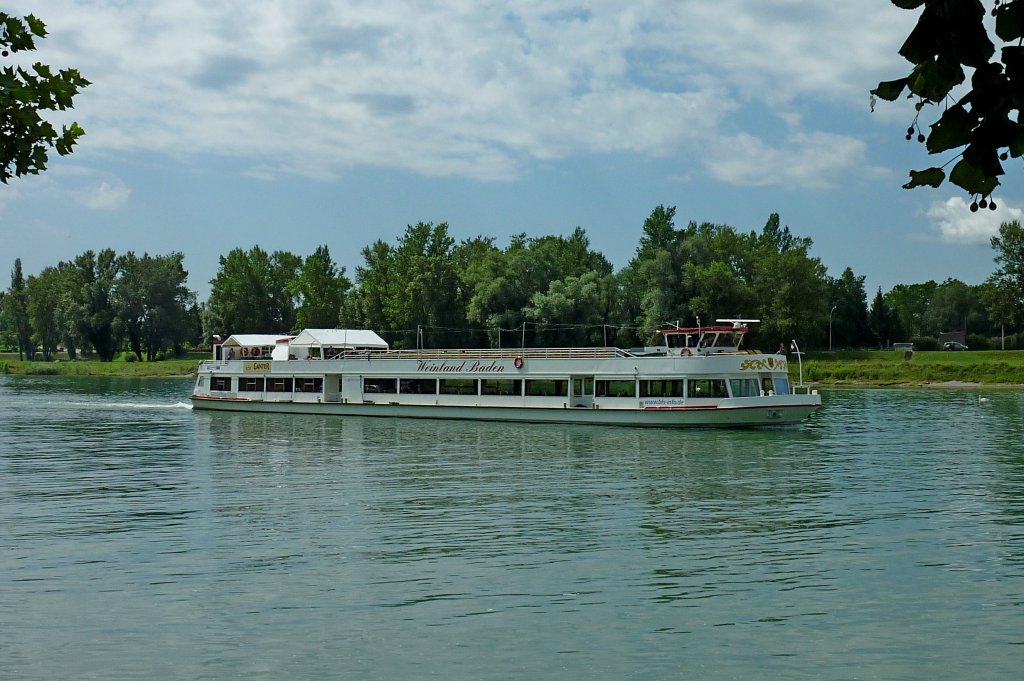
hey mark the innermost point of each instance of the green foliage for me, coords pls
(93, 279)
(1005, 297)
(152, 302)
(984, 121)
(850, 317)
(925, 343)
(44, 293)
(252, 292)
(25, 137)
(882, 322)
(16, 309)
(320, 288)
(976, 341)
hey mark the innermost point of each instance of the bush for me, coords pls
(159, 357)
(925, 343)
(129, 357)
(977, 342)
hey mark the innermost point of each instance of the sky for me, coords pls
(214, 126)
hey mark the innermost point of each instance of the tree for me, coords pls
(25, 137)
(881, 321)
(911, 303)
(251, 292)
(850, 317)
(152, 302)
(320, 288)
(92, 284)
(44, 292)
(430, 294)
(572, 306)
(1008, 279)
(948, 37)
(368, 305)
(16, 302)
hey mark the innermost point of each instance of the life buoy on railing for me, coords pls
(245, 352)
(518, 362)
(685, 351)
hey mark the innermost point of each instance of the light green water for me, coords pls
(884, 539)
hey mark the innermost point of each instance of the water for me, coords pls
(141, 540)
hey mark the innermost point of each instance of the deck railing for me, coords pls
(486, 353)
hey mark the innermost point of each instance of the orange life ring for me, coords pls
(245, 352)
(685, 351)
(518, 362)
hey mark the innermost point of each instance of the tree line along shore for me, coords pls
(426, 290)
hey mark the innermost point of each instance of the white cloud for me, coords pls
(104, 196)
(470, 89)
(956, 223)
(806, 160)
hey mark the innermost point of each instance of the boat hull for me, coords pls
(780, 410)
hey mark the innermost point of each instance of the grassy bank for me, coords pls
(10, 364)
(892, 368)
(868, 368)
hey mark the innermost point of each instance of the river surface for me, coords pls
(883, 539)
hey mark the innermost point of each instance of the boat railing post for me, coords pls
(799, 361)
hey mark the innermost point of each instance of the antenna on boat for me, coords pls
(800, 361)
(737, 323)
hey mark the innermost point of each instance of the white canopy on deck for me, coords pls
(251, 342)
(327, 343)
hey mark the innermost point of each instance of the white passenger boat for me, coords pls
(699, 376)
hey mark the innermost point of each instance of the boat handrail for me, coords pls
(488, 353)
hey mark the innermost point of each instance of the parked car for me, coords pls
(953, 345)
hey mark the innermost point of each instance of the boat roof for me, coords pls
(719, 328)
(339, 338)
(256, 339)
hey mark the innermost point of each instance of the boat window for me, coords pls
(250, 384)
(583, 386)
(279, 385)
(661, 388)
(766, 385)
(680, 340)
(781, 385)
(417, 386)
(501, 386)
(380, 385)
(615, 388)
(309, 385)
(706, 387)
(458, 386)
(745, 387)
(547, 388)
(220, 383)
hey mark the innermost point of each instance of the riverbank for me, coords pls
(167, 368)
(841, 368)
(884, 369)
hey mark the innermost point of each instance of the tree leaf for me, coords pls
(889, 90)
(922, 44)
(932, 177)
(934, 79)
(972, 178)
(1010, 21)
(952, 130)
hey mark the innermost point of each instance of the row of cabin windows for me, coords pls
(692, 388)
(270, 384)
